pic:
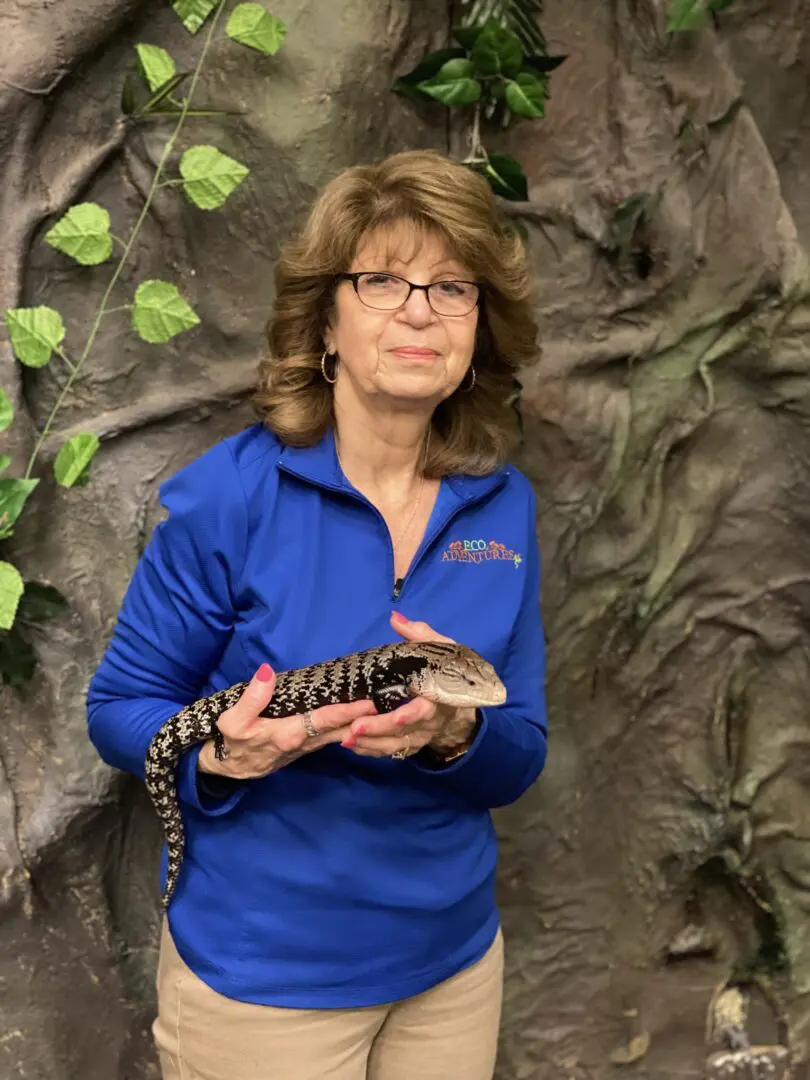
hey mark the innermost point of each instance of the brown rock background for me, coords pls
(666, 847)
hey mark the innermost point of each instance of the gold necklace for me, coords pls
(395, 543)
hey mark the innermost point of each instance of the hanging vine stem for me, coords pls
(153, 187)
(477, 154)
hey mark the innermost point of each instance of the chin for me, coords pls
(424, 388)
(425, 382)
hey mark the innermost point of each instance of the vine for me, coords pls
(158, 311)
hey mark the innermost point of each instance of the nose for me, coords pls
(416, 309)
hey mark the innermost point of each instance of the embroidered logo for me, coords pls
(477, 551)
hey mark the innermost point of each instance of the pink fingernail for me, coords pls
(349, 742)
(265, 673)
(359, 730)
(398, 618)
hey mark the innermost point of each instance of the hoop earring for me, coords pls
(472, 384)
(323, 370)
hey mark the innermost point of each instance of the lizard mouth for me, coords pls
(490, 697)
(462, 695)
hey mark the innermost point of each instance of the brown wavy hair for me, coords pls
(472, 432)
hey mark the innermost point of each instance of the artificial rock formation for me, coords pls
(664, 852)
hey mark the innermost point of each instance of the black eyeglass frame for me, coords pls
(357, 274)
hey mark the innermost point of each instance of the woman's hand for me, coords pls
(256, 746)
(419, 722)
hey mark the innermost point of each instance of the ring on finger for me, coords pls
(309, 727)
(403, 750)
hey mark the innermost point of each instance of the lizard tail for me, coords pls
(175, 841)
(160, 782)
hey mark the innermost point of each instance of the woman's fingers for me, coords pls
(416, 631)
(255, 744)
(408, 742)
(334, 716)
(329, 721)
(237, 722)
(417, 712)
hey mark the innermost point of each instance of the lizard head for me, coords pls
(455, 675)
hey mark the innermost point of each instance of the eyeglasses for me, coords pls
(387, 292)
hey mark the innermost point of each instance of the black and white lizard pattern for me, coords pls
(389, 675)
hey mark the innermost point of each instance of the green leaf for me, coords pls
(40, 602)
(252, 25)
(210, 176)
(5, 461)
(17, 658)
(497, 52)
(430, 65)
(72, 465)
(460, 68)
(83, 233)
(11, 589)
(687, 15)
(35, 333)
(159, 312)
(506, 178)
(156, 64)
(467, 36)
(6, 411)
(720, 5)
(13, 494)
(193, 13)
(526, 96)
(451, 88)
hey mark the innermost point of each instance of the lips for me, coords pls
(415, 352)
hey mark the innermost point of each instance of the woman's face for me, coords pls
(411, 354)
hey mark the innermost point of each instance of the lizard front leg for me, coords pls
(390, 696)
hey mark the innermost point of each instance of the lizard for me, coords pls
(444, 672)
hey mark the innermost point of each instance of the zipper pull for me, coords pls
(397, 588)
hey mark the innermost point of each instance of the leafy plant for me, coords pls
(499, 68)
(693, 14)
(158, 311)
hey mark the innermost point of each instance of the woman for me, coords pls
(335, 914)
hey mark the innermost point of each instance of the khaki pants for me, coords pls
(449, 1032)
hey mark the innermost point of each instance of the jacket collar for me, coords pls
(319, 465)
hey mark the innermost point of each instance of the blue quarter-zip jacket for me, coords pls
(338, 880)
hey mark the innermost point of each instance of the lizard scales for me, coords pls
(446, 673)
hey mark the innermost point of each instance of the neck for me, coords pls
(381, 449)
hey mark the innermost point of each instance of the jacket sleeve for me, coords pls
(174, 621)
(509, 750)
